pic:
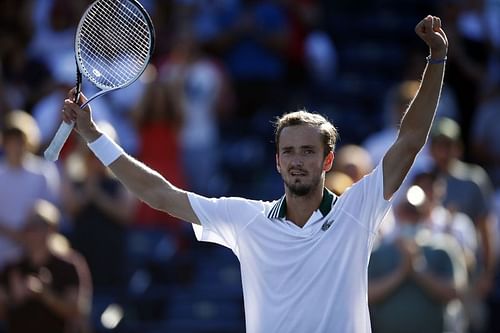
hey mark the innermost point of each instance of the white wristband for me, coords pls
(105, 149)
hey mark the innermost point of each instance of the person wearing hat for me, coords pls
(49, 288)
(468, 190)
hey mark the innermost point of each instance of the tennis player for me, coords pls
(303, 257)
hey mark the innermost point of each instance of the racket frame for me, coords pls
(53, 150)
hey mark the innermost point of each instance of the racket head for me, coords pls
(114, 42)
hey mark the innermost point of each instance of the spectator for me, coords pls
(398, 100)
(48, 290)
(312, 56)
(485, 135)
(251, 36)
(158, 120)
(354, 161)
(414, 274)
(468, 190)
(198, 87)
(22, 119)
(469, 57)
(440, 219)
(338, 182)
(23, 181)
(100, 210)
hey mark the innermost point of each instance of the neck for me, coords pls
(300, 208)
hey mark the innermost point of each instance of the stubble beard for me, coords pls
(300, 189)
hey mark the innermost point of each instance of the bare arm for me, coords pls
(65, 305)
(442, 290)
(147, 184)
(379, 289)
(416, 122)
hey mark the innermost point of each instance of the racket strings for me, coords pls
(123, 23)
(115, 41)
(115, 47)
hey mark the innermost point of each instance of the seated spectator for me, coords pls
(48, 290)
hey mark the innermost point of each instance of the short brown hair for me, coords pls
(328, 132)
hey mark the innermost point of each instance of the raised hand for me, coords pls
(431, 32)
(84, 124)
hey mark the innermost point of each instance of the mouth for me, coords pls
(298, 173)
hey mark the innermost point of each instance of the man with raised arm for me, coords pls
(303, 257)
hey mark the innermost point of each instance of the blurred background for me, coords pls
(202, 114)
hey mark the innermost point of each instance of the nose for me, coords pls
(297, 162)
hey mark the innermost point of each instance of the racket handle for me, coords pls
(62, 134)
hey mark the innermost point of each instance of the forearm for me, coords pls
(147, 184)
(379, 289)
(63, 307)
(441, 290)
(417, 121)
(415, 127)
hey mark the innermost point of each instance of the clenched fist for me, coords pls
(431, 32)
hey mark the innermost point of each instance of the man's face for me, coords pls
(15, 147)
(300, 159)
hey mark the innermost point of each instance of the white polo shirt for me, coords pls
(310, 279)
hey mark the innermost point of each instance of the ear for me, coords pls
(278, 167)
(328, 161)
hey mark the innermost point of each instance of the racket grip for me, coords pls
(62, 134)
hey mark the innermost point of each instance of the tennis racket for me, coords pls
(114, 42)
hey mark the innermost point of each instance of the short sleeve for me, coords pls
(222, 219)
(365, 200)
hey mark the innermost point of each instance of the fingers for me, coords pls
(428, 24)
(437, 24)
(430, 31)
(443, 34)
(72, 95)
(69, 112)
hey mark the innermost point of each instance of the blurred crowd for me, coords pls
(78, 253)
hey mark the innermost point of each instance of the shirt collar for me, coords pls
(279, 208)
